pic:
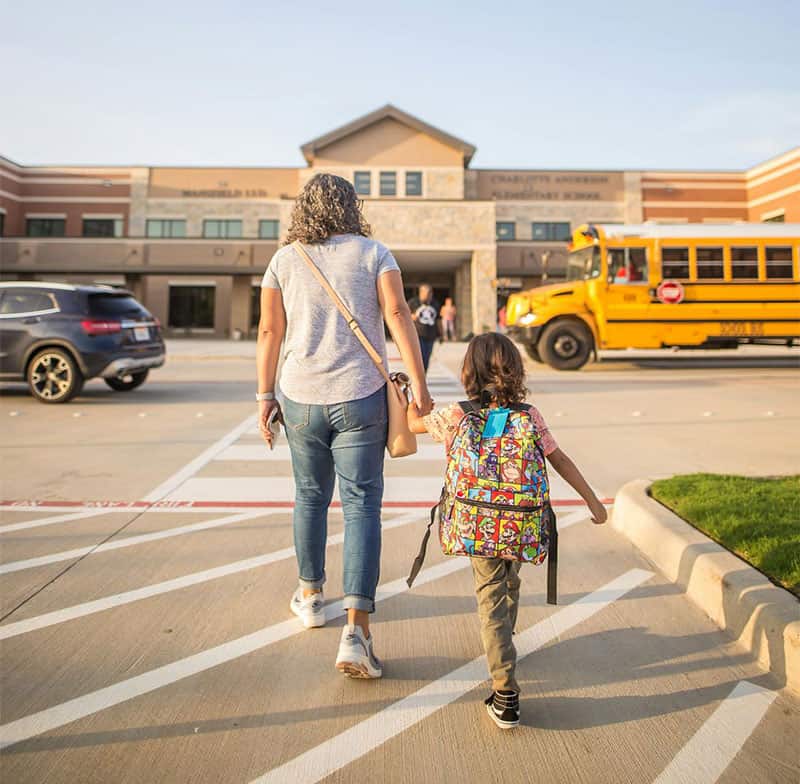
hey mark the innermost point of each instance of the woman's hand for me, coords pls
(421, 398)
(599, 513)
(265, 408)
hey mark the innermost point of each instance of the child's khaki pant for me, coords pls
(497, 588)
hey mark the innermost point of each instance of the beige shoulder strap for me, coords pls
(343, 309)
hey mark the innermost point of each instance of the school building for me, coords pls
(193, 242)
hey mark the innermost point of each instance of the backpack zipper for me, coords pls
(492, 505)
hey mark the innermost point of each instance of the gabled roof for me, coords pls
(309, 149)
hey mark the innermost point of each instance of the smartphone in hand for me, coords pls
(273, 426)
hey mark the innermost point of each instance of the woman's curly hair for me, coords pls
(493, 370)
(327, 205)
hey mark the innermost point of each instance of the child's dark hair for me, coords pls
(493, 370)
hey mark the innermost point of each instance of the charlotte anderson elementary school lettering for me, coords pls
(192, 243)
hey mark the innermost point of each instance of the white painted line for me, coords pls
(66, 555)
(350, 745)
(62, 518)
(282, 489)
(156, 589)
(78, 708)
(191, 468)
(252, 453)
(117, 600)
(712, 748)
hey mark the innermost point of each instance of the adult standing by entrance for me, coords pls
(425, 311)
(448, 314)
(333, 398)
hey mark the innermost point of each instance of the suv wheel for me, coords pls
(566, 345)
(53, 376)
(126, 383)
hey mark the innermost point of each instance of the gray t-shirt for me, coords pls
(323, 362)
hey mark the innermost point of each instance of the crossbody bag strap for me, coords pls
(343, 309)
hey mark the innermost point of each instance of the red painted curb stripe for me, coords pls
(240, 504)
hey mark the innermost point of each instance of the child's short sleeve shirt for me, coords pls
(442, 424)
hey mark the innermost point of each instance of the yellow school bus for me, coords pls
(657, 285)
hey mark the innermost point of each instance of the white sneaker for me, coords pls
(309, 609)
(356, 659)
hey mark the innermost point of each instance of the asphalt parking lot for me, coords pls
(146, 565)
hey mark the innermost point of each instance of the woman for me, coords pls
(333, 397)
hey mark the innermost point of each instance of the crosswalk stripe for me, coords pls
(253, 453)
(350, 745)
(117, 600)
(62, 518)
(721, 737)
(130, 541)
(425, 489)
(80, 707)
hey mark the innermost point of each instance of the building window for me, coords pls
(675, 263)
(362, 181)
(166, 229)
(191, 306)
(222, 229)
(2, 224)
(744, 263)
(506, 230)
(413, 183)
(268, 229)
(45, 227)
(551, 232)
(779, 263)
(709, 264)
(388, 183)
(102, 227)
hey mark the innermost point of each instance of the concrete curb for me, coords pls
(737, 597)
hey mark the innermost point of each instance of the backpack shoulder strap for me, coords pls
(469, 407)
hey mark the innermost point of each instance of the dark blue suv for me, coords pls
(56, 336)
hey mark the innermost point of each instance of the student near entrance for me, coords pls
(425, 312)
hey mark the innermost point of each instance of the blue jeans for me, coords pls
(347, 440)
(426, 347)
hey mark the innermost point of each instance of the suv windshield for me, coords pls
(584, 264)
(115, 305)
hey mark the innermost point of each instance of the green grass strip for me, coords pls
(758, 519)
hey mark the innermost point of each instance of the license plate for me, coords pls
(141, 333)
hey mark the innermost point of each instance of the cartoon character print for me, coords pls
(511, 471)
(489, 467)
(487, 527)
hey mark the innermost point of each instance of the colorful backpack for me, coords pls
(496, 498)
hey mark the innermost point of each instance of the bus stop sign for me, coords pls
(670, 292)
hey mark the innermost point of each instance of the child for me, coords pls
(493, 371)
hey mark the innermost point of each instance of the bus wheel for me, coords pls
(565, 345)
(533, 352)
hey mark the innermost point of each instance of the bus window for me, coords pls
(627, 265)
(709, 263)
(779, 263)
(584, 264)
(744, 263)
(675, 263)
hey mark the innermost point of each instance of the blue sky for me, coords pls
(531, 84)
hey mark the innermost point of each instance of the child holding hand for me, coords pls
(493, 376)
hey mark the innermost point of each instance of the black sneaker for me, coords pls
(503, 707)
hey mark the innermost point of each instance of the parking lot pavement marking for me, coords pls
(80, 707)
(192, 467)
(251, 453)
(66, 555)
(712, 748)
(350, 745)
(419, 489)
(117, 600)
(156, 589)
(62, 518)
